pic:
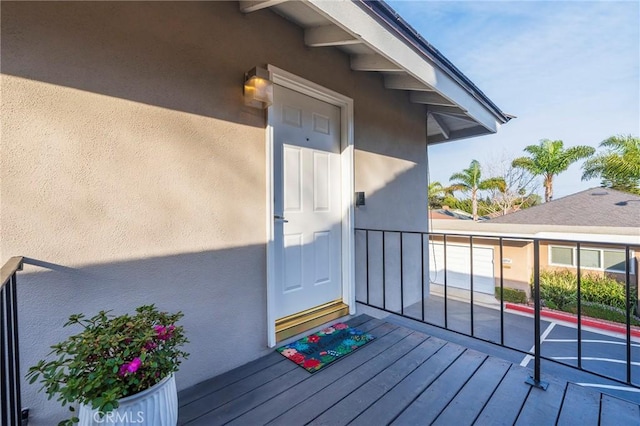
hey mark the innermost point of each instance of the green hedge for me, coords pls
(512, 295)
(559, 290)
(598, 310)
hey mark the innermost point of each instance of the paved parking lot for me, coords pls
(603, 352)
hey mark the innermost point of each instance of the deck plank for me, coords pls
(271, 402)
(475, 394)
(435, 398)
(363, 397)
(581, 406)
(541, 407)
(615, 412)
(220, 397)
(505, 403)
(402, 377)
(332, 394)
(213, 384)
(385, 409)
(211, 401)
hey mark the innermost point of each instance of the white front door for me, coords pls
(307, 202)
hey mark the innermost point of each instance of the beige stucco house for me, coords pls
(605, 222)
(134, 171)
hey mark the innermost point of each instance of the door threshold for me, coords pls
(306, 320)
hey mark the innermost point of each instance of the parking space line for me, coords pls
(544, 335)
(620, 388)
(610, 342)
(588, 358)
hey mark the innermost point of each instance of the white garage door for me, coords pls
(459, 268)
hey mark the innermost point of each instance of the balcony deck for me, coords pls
(402, 377)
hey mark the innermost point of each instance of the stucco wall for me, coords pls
(132, 173)
(545, 261)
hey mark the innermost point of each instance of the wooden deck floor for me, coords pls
(403, 377)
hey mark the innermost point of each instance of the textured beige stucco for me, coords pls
(132, 173)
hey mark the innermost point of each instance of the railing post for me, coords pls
(627, 273)
(535, 380)
(10, 396)
(422, 271)
(4, 381)
(579, 303)
(501, 292)
(444, 250)
(366, 245)
(471, 282)
(401, 277)
(384, 275)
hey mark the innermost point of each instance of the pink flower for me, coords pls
(123, 369)
(289, 352)
(150, 346)
(297, 358)
(130, 367)
(329, 330)
(164, 333)
(134, 365)
(340, 326)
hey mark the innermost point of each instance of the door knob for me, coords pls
(279, 217)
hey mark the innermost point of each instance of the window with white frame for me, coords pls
(610, 260)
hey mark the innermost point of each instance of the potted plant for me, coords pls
(119, 369)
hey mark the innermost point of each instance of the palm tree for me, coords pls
(436, 193)
(470, 181)
(618, 166)
(548, 159)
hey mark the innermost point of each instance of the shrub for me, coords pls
(604, 290)
(605, 312)
(559, 290)
(112, 357)
(512, 295)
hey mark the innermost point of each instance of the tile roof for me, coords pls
(593, 207)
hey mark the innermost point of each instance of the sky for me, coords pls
(568, 70)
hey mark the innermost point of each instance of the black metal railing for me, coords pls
(399, 279)
(10, 397)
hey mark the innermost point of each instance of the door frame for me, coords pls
(305, 87)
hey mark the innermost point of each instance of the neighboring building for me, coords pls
(592, 207)
(133, 172)
(604, 220)
(449, 214)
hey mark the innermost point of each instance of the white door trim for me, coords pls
(293, 82)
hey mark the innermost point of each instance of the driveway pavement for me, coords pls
(603, 352)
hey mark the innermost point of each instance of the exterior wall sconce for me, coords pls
(258, 88)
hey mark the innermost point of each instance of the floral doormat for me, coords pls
(319, 349)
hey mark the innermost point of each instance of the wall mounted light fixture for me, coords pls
(258, 88)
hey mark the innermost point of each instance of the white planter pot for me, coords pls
(156, 406)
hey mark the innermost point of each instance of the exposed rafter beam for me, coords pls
(453, 110)
(444, 129)
(458, 134)
(457, 116)
(404, 82)
(431, 98)
(248, 6)
(372, 62)
(328, 35)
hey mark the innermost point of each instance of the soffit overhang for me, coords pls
(378, 40)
